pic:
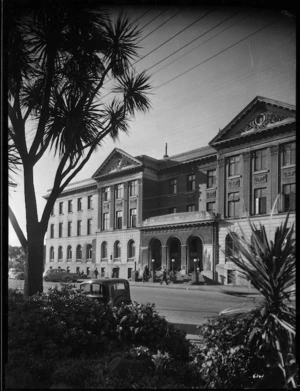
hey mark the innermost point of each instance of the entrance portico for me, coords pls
(185, 246)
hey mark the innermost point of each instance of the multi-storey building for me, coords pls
(177, 211)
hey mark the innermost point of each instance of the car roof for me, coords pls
(105, 280)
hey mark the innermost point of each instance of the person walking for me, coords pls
(164, 277)
(146, 274)
(96, 273)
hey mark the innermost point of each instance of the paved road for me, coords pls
(180, 306)
(189, 306)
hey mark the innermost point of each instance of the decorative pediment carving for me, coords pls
(261, 121)
(119, 164)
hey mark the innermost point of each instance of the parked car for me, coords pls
(13, 272)
(60, 275)
(115, 290)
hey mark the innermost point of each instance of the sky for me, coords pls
(206, 65)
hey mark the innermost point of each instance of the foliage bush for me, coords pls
(54, 330)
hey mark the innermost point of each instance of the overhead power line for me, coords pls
(174, 36)
(215, 55)
(157, 16)
(202, 43)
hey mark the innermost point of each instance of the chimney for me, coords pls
(166, 151)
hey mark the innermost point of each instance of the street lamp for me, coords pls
(195, 261)
(173, 260)
(152, 260)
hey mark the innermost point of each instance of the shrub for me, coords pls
(141, 324)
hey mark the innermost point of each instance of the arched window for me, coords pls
(60, 253)
(69, 253)
(230, 246)
(117, 249)
(89, 252)
(131, 249)
(51, 253)
(104, 250)
(78, 253)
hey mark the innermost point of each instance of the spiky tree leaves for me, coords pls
(60, 56)
(270, 266)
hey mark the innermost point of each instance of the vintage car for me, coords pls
(60, 275)
(114, 290)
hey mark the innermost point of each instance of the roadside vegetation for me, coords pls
(62, 339)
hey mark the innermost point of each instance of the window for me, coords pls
(289, 154)
(70, 206)
(69, 253)
(79, 223)
(119, 215)
(173, 209)
(260, 160)
(52, 231)
(133, 188)
(89, 252)
(119, 190)
(117, 248)
(104, 250)
(211, 207)
(79, 204)
(289, 197)
(89, 226)
(52, 211)
(191, 208)
(131, 249)
(106, 194)
(69, 228)
(230, 245)
(51, 255)
(105, 221)
(132, 218)
(78, 253)
(173, 186)
(60, 229)
(61, 204)
(233, 165)
(211, 178)
(260, 201)
(233, 204)
(60, 254)
(90, 202)
(191, 182)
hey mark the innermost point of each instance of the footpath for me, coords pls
(191, 330)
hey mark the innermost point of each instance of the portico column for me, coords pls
(125, 205)
(112, 207)
(246, 184)
(100, 208)
(164, 256)
(184, 256)
(221, 186)
(140, 203)
(274, 150)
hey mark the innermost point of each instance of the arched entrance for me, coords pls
(195, 251)
(174, 254)
(154, 253)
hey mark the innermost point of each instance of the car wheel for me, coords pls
(46, 278)
(67, 279)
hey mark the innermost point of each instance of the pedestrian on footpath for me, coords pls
(164, 277)
(96, 273)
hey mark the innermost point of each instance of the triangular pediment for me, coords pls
(117, 162)
(260, 115)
